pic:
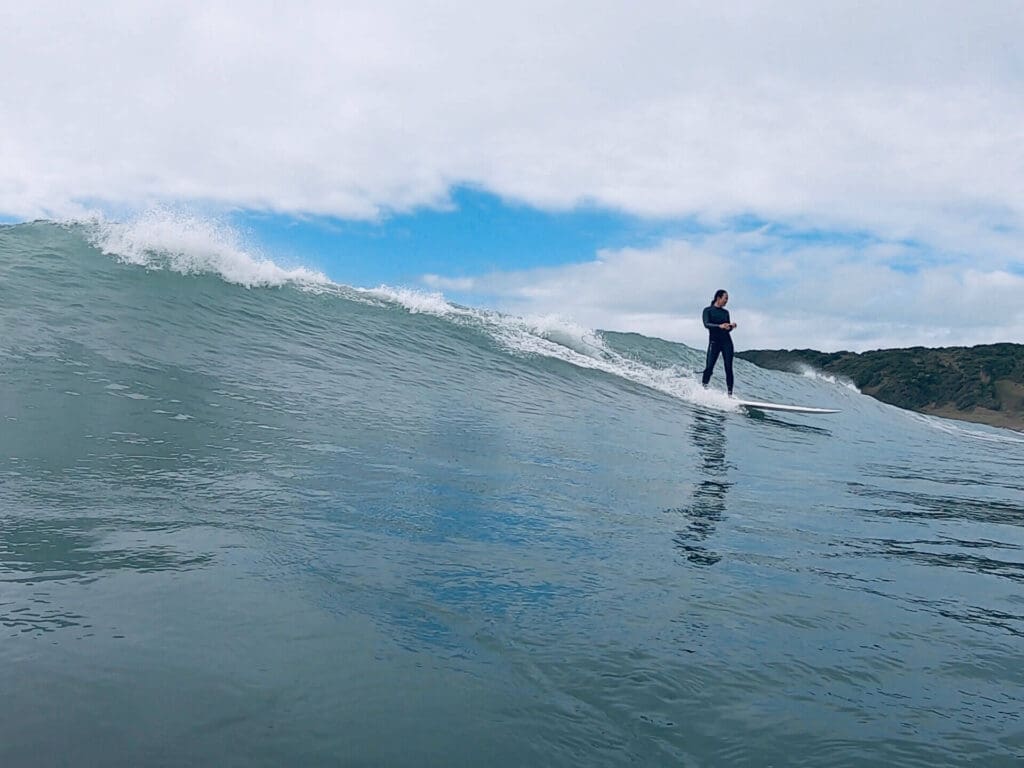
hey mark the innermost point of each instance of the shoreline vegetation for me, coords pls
(983, 384)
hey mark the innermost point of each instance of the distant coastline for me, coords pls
(983, 384)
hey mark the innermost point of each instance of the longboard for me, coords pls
(780, 407)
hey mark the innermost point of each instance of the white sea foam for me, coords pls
(811, 373)
(562, 339)
(417, 302)
(191, 244)
(520, 337)
(566, 333)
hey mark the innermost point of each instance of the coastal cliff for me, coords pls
(983, 383)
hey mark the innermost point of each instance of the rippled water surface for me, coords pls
(299, 524)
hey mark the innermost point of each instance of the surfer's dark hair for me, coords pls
(719, 294)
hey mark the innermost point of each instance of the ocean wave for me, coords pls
(192, 244)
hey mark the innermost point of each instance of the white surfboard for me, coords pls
(780, 407)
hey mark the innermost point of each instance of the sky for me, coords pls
(850, 171)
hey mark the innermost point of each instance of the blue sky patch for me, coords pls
(479, 233)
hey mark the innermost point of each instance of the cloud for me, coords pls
(786, 292)
(896, 117)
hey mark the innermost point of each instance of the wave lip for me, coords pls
(416, 302)
(191, 245)
(811, 373)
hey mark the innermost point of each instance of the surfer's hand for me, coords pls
(725, 327)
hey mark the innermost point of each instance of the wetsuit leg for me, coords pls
(727, 351)
(709, 367)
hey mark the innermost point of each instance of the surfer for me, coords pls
(716, 320)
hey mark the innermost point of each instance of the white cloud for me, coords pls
(904, 120)
(784, 293)
(861, 112)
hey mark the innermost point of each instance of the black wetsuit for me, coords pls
(719, 343)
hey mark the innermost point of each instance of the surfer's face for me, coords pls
(723, 300)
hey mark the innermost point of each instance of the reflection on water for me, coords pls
(930, 506)
(775, 421)
(708, 504)
(78, 549)
(953, 553)
(41, 557)
(930, 511)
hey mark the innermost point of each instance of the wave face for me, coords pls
(250, 516)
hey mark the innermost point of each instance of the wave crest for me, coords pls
(190, 244)
(811, 373)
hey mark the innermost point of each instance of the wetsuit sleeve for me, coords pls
(707, 319)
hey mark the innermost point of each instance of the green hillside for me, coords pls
(983, 383)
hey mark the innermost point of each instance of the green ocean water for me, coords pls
(251, 517)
